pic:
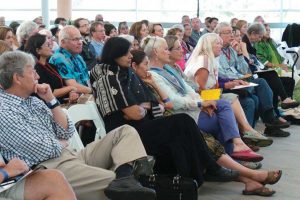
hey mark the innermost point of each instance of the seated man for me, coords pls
(36, 185)
(39, 136)
(68, 62)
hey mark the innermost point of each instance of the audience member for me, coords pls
(242, 25)
(196, 25)
(6, 35)
(259, 19)
(97, 38)
(123, 28)
(88, 51)
(212, 22)
(233, 21)
(68, 61)
(206, 22)
(157, 29)
(185, 19)
(138, 30)
(24, 31)
(110, 30)
(36, 185)
(99, 18)
(60, 21)
(41, 48)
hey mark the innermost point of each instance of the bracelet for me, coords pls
(166, 100)
(4, 174)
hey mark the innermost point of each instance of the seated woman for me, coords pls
(178, 32)
(38, 46)
(251, 178)
(217, 117)
(196, 71)
(7, 35)
(123, 98)
(267, 53)
(138, 30)
(255, 32)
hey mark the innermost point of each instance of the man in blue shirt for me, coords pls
(69, 63)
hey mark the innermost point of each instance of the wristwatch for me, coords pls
(53, 103)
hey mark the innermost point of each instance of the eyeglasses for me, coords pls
(77, 39)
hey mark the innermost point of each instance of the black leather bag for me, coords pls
(171, 187)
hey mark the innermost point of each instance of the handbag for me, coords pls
(171, 187)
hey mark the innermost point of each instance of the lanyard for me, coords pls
(227, 53)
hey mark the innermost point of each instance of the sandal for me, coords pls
(251, 165)
(273, 177)
(263, 191)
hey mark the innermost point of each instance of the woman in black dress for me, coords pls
(38, 46)
(123, 98)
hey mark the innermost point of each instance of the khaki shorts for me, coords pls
(14, 193)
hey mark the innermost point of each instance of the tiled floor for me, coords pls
(283, 154)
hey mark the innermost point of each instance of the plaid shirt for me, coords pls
(28, 130)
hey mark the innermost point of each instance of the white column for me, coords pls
(64, 9)
(45, 12)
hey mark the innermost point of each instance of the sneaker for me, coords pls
(292, 104)
(257, 139)
(128, 188)
(276, 123)
(276, 132)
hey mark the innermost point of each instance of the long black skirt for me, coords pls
(177, 144)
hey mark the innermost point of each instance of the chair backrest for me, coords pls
(88, 111)
(75, 141)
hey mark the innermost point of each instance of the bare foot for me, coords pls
(251, 185)
(239, 145)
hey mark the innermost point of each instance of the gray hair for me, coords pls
(151, 42)
(25, 30)
(220, 26)
(256, 28)
(65, 33)
(13, 62)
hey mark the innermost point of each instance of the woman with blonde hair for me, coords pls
(242, 25)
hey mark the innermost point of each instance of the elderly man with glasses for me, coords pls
(68, 61)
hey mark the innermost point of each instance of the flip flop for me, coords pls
(263, 191)
(272, 178)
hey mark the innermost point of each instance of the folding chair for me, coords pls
(88, 111)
